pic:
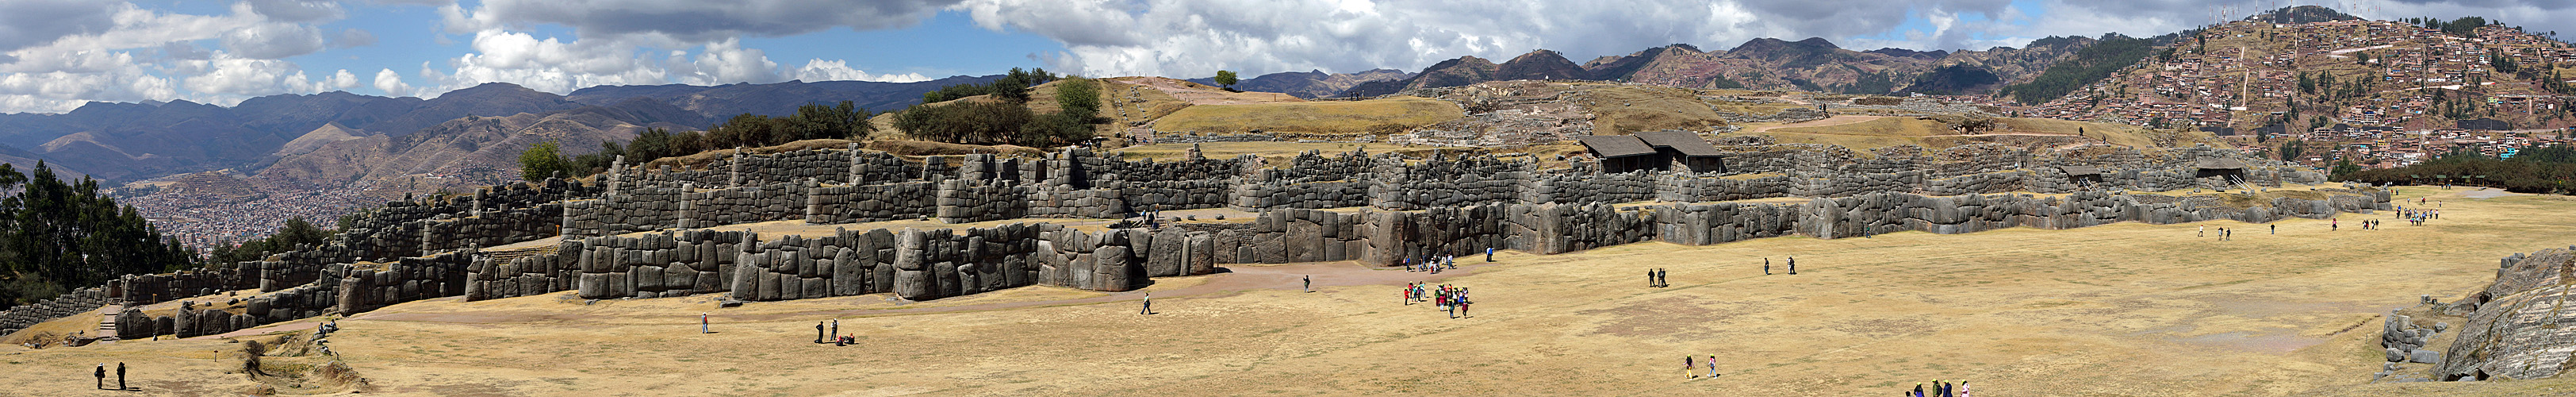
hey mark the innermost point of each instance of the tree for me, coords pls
(2291, 150)
(55, 235)
(1226, 78)
(543, 160)
(1079, 98)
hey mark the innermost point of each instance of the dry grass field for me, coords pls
(1351, 117)
(2119, 310)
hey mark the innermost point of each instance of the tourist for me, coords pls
(1793, 265)
(836, 326)
(2204, 231)
(702, 322)
(1963, 388)
(1712, 366)
(102, 376)
(1650, 278)
(1766, 266)
(1407, 293)
(1918, 390)
(2276, 229)
(1149, 304)
(818, 332)
(1310, 283)
(1489, 254)
(120, 376)
(1687, 366)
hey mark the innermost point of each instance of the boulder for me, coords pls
(2420, 356)
(1163, 257)
(2391, 352)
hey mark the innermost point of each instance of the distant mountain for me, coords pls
(1450, 73)
(132, 141)
(1540, 65)
(1812, 64)
(1311, 84)
(466, 151)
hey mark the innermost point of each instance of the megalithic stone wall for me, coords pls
(75, 302)
(408, 279)
(2515, 327)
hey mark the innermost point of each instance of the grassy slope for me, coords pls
(1312, 117)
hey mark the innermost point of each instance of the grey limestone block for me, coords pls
(1115, 272)
(949, 282)
(679, 277)
(848, 278)
(769, 286)
(1202, 254)
(915, 285)
(2424, 356)
(1164, 257)
(815, 287)
(647, 278)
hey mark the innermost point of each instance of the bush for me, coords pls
(543, 160)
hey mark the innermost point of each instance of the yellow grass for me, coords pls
(1311, 117)
(2109, 310)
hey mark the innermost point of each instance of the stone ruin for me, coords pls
(2511, 329)
(643, 233)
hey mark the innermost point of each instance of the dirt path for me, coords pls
(1835, 120)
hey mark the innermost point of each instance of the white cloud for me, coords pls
(391, 83)
(694, 20)
(822, 70)
(296, 10)
(274, 40)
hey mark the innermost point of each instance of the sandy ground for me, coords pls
(2118, 310)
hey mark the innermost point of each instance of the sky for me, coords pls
(56, 55)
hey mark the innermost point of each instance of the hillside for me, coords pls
(1813, 64)
(470, 151)
(1310, 84)
(2330, 70)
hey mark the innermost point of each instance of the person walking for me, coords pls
(1687, 366)
(1149, 304)
(120, 376)
(1963, 388)
(2276, 229)
(818, 332)
(1310, 283)
(1489, 254)
(1793, 265)
(1650, 278)
(702, 322)
(836, 328)
(102, 376)
(1712, 366)
(1918, 390)
(2204, 231)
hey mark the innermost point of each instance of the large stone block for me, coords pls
(1115, 270)
(1202, 252)
(916, 285)
(848, 278)
(1163, 258)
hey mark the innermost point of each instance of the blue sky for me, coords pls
(58, 54)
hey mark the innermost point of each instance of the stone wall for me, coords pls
(75, 302)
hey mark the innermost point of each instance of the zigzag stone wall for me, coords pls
(1417, 208)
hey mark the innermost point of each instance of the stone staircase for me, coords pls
(107, 323)
(1141, 134)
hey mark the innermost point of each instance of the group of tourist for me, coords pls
(1793, 266)
(102, 376)
(1450, 299)
(820, 336)
(1940, 389)
(1688, 367)
(1655, 278)
(1436, 263)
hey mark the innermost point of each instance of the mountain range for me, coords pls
(1813, 64)
(134, 141)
